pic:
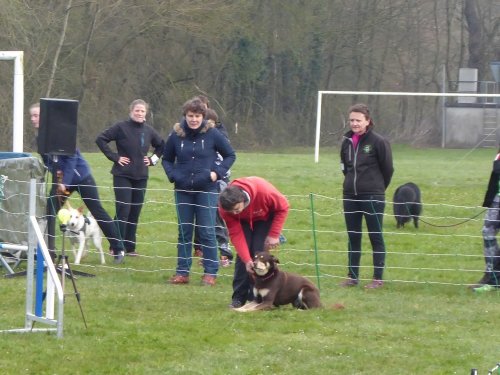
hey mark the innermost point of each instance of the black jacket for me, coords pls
(133, 140)
(367, 169)
(493, 187)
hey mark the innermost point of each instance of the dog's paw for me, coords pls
(250, 306)
(240, 309)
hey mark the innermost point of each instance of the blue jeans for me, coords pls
(200, 208)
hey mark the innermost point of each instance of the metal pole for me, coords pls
(443, 108)
(318, 126)
(311, 199)
(17, 133)
(18, 103)
(30, 269)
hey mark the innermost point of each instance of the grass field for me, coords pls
(424, 321)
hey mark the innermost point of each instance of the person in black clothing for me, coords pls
(72, 173)
(366, 162)
(491, 226)
(133, 139)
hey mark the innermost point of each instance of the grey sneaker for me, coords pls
(119, 257)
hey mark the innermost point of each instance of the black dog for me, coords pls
(275, 288)
(407, 204)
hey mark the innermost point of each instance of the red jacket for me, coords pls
(265, 200)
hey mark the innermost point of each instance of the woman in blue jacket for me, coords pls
(190, 161)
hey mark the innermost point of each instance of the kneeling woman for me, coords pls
(190, 162)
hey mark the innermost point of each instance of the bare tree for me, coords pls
(59, 47)
(476, 43)
(261, 62)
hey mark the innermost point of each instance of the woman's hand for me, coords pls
(249, 267)
(271, 243)
(123, 160)
(213, 176)
(61, 189)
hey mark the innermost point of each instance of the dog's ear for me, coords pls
(80, 209)
(275, 260)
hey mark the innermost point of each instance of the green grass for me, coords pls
(425, 320)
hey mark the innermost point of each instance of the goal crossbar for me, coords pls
(384, 93)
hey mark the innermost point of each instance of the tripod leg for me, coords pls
(77, 294)
(66, 267)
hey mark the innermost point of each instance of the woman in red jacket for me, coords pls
(254, 212)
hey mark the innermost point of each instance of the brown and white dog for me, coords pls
(80, 229)
(275, 288)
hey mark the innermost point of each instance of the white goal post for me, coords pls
(17, 130)
(386, 93)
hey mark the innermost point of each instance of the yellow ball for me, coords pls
(63, 215)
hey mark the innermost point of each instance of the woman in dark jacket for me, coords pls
(366, 162)
(70, 173)
(73, 174)
(133, 139)
(490, 230)
(190, 161)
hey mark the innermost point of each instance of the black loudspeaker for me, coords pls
(57, 128)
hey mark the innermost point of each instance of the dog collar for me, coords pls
(267, 277)
(85, 223)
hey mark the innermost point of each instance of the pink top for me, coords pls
(355, 139)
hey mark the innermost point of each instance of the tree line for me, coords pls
(260, 62)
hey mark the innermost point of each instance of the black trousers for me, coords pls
(372, 209)
(129, 198)
(255, 237)
(90, 196)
